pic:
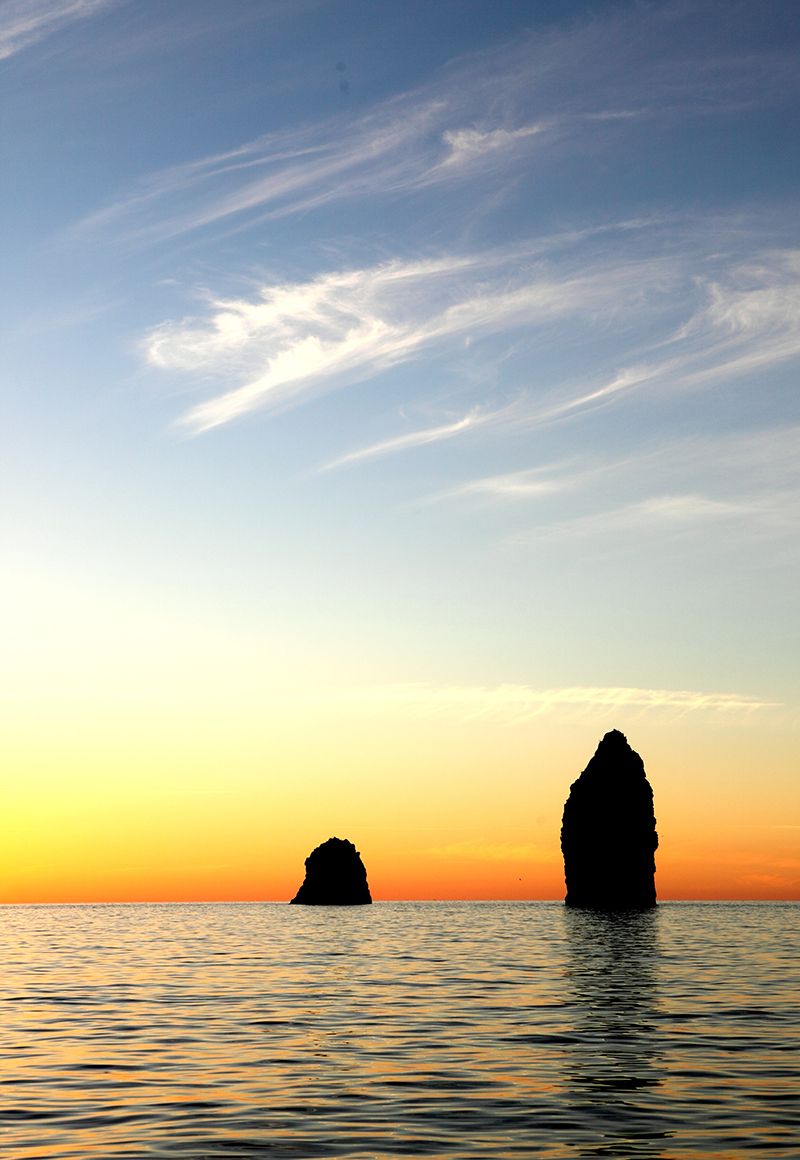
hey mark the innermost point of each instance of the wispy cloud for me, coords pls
(479, 418)
(468, 145)
(402, 146)
(746, 317)
(520, 703)
(657, 515)
(494, 111)
(529, 483)
(746, 488)
(420, 438)
(745, 491)
(296, 340)
(749, 318)
(738, 490)
(24, 22)
(759, 462)
(718, 306)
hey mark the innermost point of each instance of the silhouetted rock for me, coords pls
(335, 876)
(608, 835)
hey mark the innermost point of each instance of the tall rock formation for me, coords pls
(335, 876)
(608, 834)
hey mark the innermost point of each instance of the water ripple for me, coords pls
(434, 1029)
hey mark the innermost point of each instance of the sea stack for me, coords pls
(608, 834)
(335, 876)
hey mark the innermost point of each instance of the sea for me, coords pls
(435, 1029)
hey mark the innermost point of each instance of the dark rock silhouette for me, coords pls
(335, 876)
(608, 834)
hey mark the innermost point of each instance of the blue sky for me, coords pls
(443, 345)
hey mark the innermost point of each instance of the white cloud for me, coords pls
(749, 318)
(419, 438)
(390, 150)
(551, 87)
(529, 483)
(295, 340)
(468, 145)
(617, 114)
(299, 339)
(745, 491)
(514, 704)
(658, 514)
(24, 22)
(737, 491)
(743, 482)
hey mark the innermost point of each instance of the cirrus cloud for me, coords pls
(25, 22)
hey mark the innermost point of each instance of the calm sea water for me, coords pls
(422, 1029)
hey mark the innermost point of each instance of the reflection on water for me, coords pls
(612, 970)
(449, 1030)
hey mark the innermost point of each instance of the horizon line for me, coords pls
(287, 902)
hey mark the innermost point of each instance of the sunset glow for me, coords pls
(395, 403)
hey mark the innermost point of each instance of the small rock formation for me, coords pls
(608, 834)
(335, 876)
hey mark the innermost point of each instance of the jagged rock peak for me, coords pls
(608, 832)
(335, 876)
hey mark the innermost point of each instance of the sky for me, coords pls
(395, 398)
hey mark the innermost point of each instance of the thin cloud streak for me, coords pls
(529, 483)
(750, 319)
(656, 515)
(24, 22)
(402, 147)
(421, 438)
(468, 145)
(756, 462)
(517, 704)
(297, 340)
(763, 517)
(745, 491)
(440, 134)
(732, 492)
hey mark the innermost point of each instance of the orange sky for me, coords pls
(441, 806)
(368, 454)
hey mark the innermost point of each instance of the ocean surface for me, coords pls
(403, 1029)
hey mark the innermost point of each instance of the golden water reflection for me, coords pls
(432, 1029)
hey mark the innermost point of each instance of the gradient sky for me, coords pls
(396, 397)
